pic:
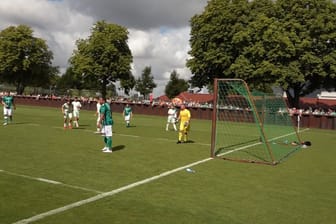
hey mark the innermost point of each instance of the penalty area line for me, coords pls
(49, 181)
(107, 194)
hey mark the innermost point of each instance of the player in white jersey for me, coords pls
(76, 108)
(99, 128)
(172, 115)
(67, 114)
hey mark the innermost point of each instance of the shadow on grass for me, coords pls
(84, 125)
(131, 126)
(190, 141)
(118, 147)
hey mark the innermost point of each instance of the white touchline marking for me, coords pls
(33, 124)
(258, 143)
(133, 136)
(50, 181)
(137, 136)
(106, 194)
(121, 189)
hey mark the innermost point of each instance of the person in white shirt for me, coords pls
(99, 130)
(76, 108)
(67, 114)
(172, 114)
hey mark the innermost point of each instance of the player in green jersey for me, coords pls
(127, 113)
(105, 123)
(9, 105)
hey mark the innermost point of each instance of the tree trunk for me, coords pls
(293, 96)
(19, 88)
(104, 84)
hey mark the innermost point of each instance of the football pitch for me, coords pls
(52, 175)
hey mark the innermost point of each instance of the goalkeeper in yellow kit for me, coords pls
(184, 118)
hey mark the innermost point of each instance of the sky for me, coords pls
(159, 30)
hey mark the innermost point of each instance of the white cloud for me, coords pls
(159, 30)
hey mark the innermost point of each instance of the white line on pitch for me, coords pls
(106, 194)
(161, 139)
(258, 143)
(133, 136)
(34, 124)
(49, 181)
(116, 191)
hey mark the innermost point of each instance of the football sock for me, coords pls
(109, 142)
(180, 135)
(185, 136)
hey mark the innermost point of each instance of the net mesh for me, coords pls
(252, 127)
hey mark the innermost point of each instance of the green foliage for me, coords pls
(25, 59)
(67, 80)
(72, 80)
(104, 56)
(291, 44)
(128, 84)
(212, 34)
(175, 86)
(145, 84)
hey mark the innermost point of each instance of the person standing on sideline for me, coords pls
(127, 113)
(172, 115)
(98, 105)
(107, 121)
(9, 105)
(76, 105)
(184, 118)
(67, 114)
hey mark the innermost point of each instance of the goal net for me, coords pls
(250, 127)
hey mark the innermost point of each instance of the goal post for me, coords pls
(250, 127)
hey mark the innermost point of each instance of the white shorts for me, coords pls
(107, 130)
(8, 111)
(171, 119)
(76, 114)
(127, 118)
(67, 115)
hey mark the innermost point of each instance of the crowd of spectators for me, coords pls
(158, 102)
(311, 111)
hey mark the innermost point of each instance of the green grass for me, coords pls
(299, 190)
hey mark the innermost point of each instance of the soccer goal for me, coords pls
(250, 126)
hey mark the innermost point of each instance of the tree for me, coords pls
(308, 31)
(104, 56)
(145, 84)
(67, 80)
(291, 44)
(128, 84)
(175, 86)
(212, 34)
(25, 59)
